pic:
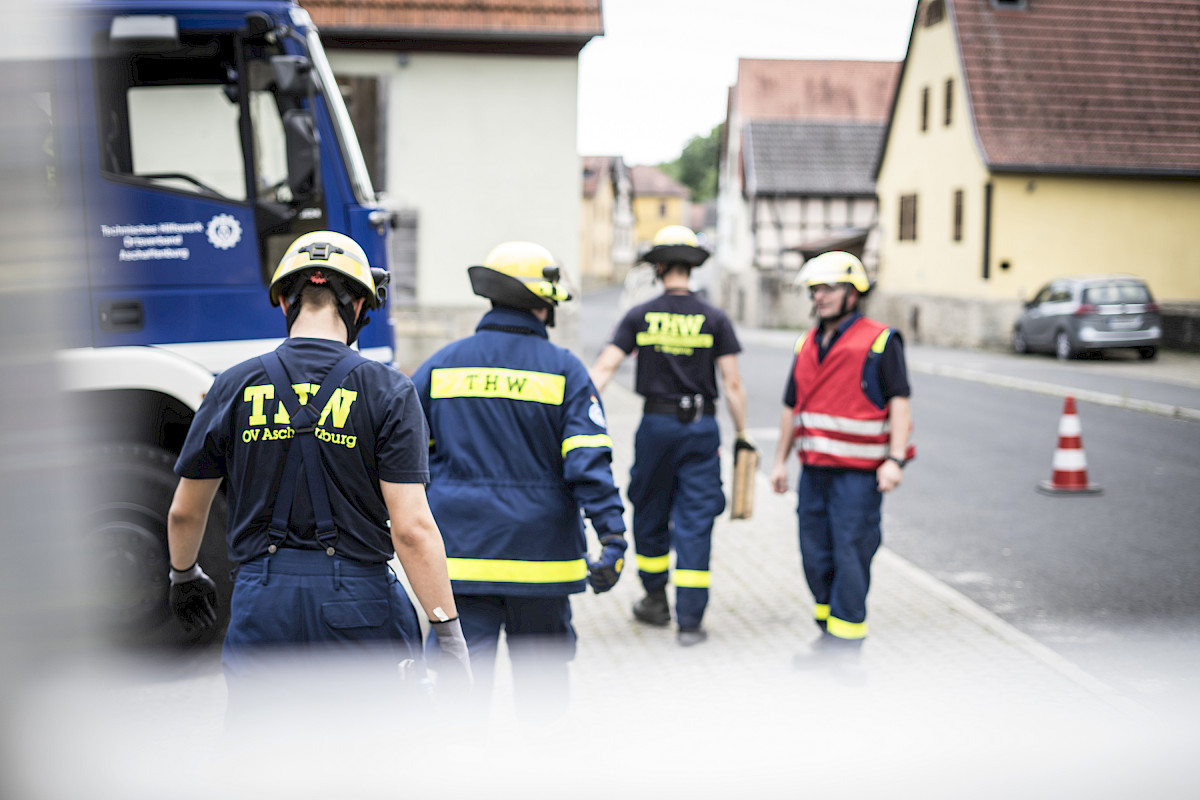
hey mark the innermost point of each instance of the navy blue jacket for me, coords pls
(519, 447)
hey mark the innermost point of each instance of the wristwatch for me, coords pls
(900, 461)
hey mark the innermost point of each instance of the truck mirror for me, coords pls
(153, 32)
(303, 156)
(293, 75)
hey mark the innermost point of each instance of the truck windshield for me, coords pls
(347, 140)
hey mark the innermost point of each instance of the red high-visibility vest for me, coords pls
(837, 425)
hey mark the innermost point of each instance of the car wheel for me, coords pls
(1019, 345)
(1063, 347)
(1147, 353)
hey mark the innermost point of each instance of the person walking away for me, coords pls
(675, 483)
(320, 450)
(847, 412)
(519, 447)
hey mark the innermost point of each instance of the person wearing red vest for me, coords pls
(846, 411)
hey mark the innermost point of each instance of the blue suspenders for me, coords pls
(307, 455)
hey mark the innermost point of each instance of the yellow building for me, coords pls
(658, 200)
(1031, 140)
(607, 249)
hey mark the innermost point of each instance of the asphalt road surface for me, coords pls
(1109, 581)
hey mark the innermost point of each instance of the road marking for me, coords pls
(1054, 390)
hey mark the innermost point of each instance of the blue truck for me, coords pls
(193, 141)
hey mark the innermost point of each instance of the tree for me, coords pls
(696, 167)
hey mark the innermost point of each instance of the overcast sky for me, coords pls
(662, 71)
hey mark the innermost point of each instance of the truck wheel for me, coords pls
(130, 488)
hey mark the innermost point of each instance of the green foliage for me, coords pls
(696, 167)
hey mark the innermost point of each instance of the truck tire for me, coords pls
(130, 487)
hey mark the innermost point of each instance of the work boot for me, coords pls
(653, 609)
(692, 636)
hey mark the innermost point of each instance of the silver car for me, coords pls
(1087, 314)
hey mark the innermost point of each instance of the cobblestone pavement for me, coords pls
(951, 702)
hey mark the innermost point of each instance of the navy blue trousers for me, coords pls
(297, 608)
(839, 514)
(540, 640)
(675, 490)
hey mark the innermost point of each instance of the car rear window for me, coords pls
(1108, 293)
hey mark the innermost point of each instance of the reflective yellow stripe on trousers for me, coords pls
(500, 571)
(846, 630)
(653, 564)
(692, 578)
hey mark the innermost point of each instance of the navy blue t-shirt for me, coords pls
(373, 429)
(678, 338)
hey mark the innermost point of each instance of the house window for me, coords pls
(662, 209)
(1015, 4)
(924, 108)
(935, 11)
(958, 215)
(949, 99)
(908, 218)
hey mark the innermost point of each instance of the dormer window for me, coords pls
(1014, 5)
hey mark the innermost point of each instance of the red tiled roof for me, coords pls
(648, 180)
(543, 17)
(1081, 85)
(846, 91)
(594, 168)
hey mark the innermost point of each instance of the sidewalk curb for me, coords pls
(1054, 390)
(959, 603)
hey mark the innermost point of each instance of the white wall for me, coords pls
(484, 148)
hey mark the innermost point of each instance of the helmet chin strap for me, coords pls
(345, 308)
(842, 312)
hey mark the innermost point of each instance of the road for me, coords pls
(1111, 582)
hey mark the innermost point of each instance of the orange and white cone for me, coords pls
(1070, 465)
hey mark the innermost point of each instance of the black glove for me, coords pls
(743, 443)
(193, 599)
(603, 573)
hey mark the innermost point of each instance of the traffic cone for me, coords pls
(1070, 466)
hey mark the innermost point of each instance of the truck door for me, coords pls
(202, 166)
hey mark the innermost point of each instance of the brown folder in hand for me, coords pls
(745, 464)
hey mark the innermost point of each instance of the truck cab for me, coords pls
(196, 141)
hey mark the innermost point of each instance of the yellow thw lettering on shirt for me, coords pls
(674, 332)
(255, 396)
(303, 392)
(339, 407)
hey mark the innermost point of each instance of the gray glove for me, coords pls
(454, 664)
